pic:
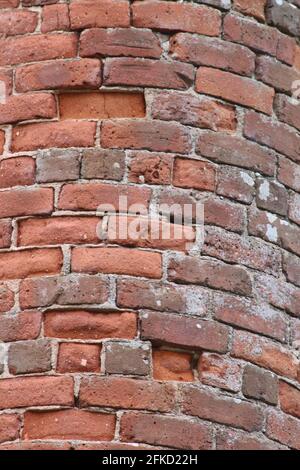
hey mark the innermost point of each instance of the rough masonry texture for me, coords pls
(109, 342)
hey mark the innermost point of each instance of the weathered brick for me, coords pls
(53, 134)
(10, 426)
(30, 263)
(59, 74)
(58, 231)
(190, 333)
(235, 184)
(148, 73)
(260, 384)
(171, 365)
(285, 16)
(103, 14)
(151, 135)
(283, 428)
(130, 358)
(37, 47)
(278, 136)
(27, 107)
(265, 353)
(239, 90)
(7, 298)
(256, 8)
(80, 324)
(2, 141)
(271, 196)
(229, 439)
(224, 214)
(287, 110)
(17, 22)
(213, 52)
(17, 202)
(196, 174)
(289, 174)
(210, 273)
(136, 394)
(119, 42)
(232, 150)
(220, 371)
(101, 105)
(78, 357)
(69, 424)
(5, 233)
(103, 164)
(23, 326)
(18, 171)
(275, 74)
(150, 168)
(117, 261)
(193, 111)
(29, 357)
(57, 165)
(292, 268)
(215, 407)
(36, 391)
(55, 18)
(289, 397)
(166, 431)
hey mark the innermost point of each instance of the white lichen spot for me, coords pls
(198, 326)
(271, 217)
(272, 233)
(247, 178)
(264, 191)
(83, 362)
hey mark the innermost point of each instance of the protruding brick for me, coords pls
(260, 384)
(130, 358)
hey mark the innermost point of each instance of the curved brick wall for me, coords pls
(114, 343)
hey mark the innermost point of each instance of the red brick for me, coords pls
(117, 261)
(275, 74)
(138, 293)
(101, 105)
(9, 427)
(18, 202)
(63, 290)
(289, 399)
(287, 110)
(103, 14)
(5, 233)
(36, 391)
(119, 42)
(149, 233)
(256, 8)
(276, 135)
(171, 365)
(196, 174)
(36, 445)
(61, 74)
(27, 107)
(191, 333)
(91, 196)
(55, 18)
(29, 357)
(292, 268)
(136, 394)
(53, 134)
(210, 273)
(265, 353)
(213, 52)
(193, 111)
(271, 196)
(239, 90)
(283, 428)
(235, 151)
(69, 424)
(9, 3)
(224, 214)
(220, 371)
(235, 184)
(58, 231)
(6, 76)
(7, 299)
(17, 22)
(148, 73)
(229, 439)
(247, 251)
(77, 357)
(37, 47)
(168, 17)
(30, 263)
(166, 431)
(250, 315)
(20, 327)
(148, 135)
(150, 168)
(2, 141)
(17, 172)
(289, 174)
(215, 407)
(80, 324)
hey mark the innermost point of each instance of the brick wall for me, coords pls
(113, 343)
